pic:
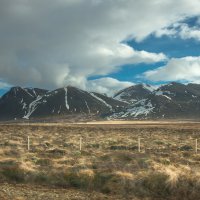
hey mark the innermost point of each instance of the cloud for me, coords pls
(187, 32)
(48, 43)
(107, 85)
(4, 85)
(185, 69)
(183, 30)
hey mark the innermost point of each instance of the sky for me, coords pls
(98, 45)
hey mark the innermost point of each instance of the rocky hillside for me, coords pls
(174, 100)
(32, 103)
(15, 102)
(134, 93)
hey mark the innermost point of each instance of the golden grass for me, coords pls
(125, 175)
(109, 161)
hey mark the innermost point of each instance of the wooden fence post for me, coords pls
(139, 145)
(28, 145)
(196, 145)
(80, 143)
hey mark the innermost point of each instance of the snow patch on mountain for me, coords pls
(66, 101)
(194, 96)
(59, 109)
(101, 100)
(32, 107)
(143, 107)
(24, 105)
(119, 97)
(26, 90)
(164, 94)
(151, 88)
(34, 92)
(140, 109)
(87, 107)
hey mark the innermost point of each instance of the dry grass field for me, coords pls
(109, 165)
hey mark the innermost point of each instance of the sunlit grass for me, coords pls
(109, 162)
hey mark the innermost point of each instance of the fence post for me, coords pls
(196, 145)
(80, 143)
(139, 147)
(28, 145)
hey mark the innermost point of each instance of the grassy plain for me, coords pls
(109, 165)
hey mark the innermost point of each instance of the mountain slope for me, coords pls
(174, 100)
(34, 103)
(14, 103)
(134, 93)
(71, 100)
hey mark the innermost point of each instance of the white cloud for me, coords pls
(107, 85)
(48, 43)
(4, 85)
(187, 32)
(115, 54)
(180, 29)
(185, 69)
(166, 31)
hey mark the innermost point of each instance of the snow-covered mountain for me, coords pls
(16, 101)
(174, 100)
(33, 103)
(134, 93)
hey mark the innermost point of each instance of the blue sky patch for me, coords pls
(171, 46)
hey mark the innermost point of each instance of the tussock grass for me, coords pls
(166, 168)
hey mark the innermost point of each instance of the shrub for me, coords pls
(187, 188)
(153, 185)
(14, 174)
(39, 178)
(186, 148)
(118, 147)
(44, 162)
(78, 180)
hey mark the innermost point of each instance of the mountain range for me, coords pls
(140, 101)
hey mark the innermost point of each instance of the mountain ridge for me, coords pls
(31, 103)
(141, 101)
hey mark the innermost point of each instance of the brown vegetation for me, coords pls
(109, 164)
